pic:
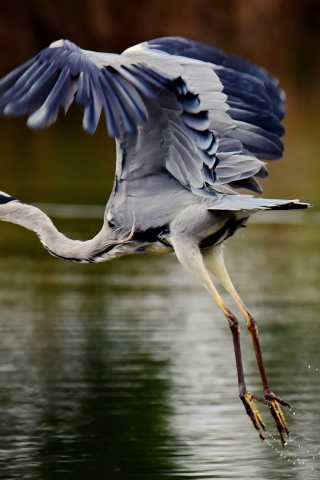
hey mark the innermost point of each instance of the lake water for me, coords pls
(126, 369)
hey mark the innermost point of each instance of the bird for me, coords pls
(192, 125)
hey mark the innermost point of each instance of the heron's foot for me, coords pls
(253, 412)
(274, 405)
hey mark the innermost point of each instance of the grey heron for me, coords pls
(191, 124)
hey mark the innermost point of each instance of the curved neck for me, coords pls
(90, 251)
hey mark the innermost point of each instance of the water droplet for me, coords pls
(308, 366)
(294, 413)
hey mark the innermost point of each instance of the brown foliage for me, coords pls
(283, 35)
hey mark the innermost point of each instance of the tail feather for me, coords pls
(249, 202)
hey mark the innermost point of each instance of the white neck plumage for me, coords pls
(98, 249)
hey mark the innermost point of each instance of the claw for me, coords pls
(274, 404)
(279, 418)
(253, 412)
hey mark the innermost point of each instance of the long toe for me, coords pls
(253, 412)
(277, 414)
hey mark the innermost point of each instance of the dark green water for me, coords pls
(126, 369)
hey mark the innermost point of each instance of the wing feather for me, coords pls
(221, 114)
(114, 83)
(244, 105)
(206, 53)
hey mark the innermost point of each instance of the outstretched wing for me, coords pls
(220, 120)
(228, 112)
(98, 81)
(206, 53)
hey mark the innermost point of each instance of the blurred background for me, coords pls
(126, 369)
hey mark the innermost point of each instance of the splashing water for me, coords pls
(289, 454)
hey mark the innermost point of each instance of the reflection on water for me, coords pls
(126, 369)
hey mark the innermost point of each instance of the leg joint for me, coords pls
(233, 322)
(252, 324)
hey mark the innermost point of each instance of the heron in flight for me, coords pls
(191, 124)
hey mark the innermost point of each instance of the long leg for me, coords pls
(190, 257)
(213, 260)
